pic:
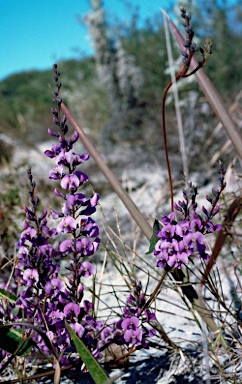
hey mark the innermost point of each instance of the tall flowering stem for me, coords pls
(187, 55)
(47, 301)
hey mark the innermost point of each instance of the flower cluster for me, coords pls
(181, 237)
(190, 46)
(45, 299)
(131, 331)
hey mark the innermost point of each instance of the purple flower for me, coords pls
(78, 159)
(176, 260)
(63, 158)
(54, 287)
(66, 246)
(167, 232)
(28, 234)
(85, 247)
(78, 328)
(55, 317)
(130, 323)
(89, 228)
(72, 308)
(82, 177)
(76, 199)
(86, 269)
(31, 276)
(67, 225)
(53, 151)
(133, 336)
(56, 173)
(70, 182)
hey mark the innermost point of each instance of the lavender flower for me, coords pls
(183, 237)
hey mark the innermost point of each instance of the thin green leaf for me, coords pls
(94, 368)
(11, 340)
(154, 237)
(8, 296)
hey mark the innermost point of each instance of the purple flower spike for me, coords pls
(70, 182)
(31, 276)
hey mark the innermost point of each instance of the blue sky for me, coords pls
(36, 33)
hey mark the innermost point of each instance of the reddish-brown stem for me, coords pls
(163, 115)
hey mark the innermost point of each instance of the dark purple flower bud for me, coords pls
(66, 210)
(74, 137)
(209, 199)
(81, 176)
(87, 305)
(185, 54)
(204, 210)
(215, 192)
(59, 194)
(186, 44)
(204, 256)
(53, 133)
(55, 214)
(193, 48)
(185, 61)
(150, 316)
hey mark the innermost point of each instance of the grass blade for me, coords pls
(94, 368)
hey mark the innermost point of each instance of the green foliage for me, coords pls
(154, 238)
(8, 296)
(94, 368)
(25, 97)
(12, 341)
